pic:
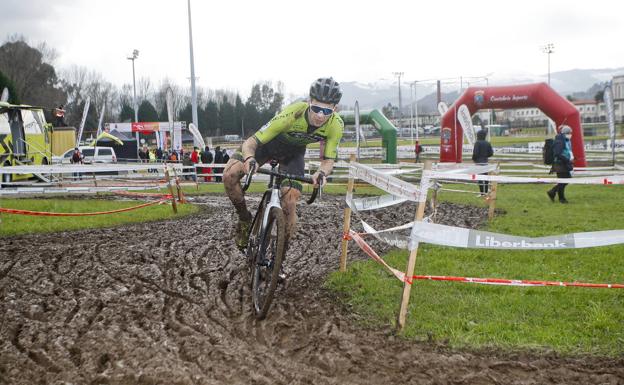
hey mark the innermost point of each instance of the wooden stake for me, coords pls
(411, 263)
(178, 187)
(347, 223)
(174, 205)
(492, 195)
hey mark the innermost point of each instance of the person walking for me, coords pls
(206, 158)
(218, 159)
(481, 151)
(417, 150)
(562, 163)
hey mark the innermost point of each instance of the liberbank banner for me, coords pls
(467, 238)
(474, 239)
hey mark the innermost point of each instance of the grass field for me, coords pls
(567, 320)
(11, 224)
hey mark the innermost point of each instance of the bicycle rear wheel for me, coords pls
(268, 262)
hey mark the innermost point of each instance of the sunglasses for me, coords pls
(324, 110)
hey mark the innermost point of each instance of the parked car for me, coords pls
(90, 155)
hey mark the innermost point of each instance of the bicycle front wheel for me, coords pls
(268, 262)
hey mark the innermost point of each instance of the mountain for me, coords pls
(580, 83)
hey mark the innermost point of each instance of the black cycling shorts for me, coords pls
(290, 158)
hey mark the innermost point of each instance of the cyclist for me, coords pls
(285, 138)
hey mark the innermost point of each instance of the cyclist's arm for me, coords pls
(249, 151)
(326, 167)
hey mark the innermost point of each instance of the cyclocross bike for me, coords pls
(266, 243)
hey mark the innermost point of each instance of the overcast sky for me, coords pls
(239, 42)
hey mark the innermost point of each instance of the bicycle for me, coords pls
(266, 244)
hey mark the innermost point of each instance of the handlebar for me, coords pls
(299, 178)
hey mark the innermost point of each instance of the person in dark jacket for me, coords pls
(218, 160)
(206, 158)
(562, 163)
(226, 157)
(481, 151)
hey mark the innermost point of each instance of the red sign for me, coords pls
(146, 127)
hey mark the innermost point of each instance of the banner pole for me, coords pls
(409, 273)
(347, 221)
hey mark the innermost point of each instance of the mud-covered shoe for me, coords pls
(242, 233)
(551, 195)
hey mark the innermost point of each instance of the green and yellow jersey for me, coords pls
(291, 127)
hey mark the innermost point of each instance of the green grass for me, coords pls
(12, 224)
(567, 320)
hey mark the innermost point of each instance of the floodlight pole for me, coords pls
(135, 55)
(399, 74)
(193, 90)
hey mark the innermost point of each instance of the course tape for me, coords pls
(610, 179)
(485, 281)
(141, 194)
(47, 214)
(373, 203)
(385, 182)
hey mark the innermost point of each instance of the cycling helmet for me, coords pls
(326, 90)
(565, 129)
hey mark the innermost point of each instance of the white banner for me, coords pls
(442, 108)
(99, 127)
(610, 179)
(385, 182)
(82, 122)
(467, 238)
(475, 239)
(465, 120)
(198, 141)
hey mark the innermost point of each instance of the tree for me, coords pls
(211, 115)
(34, 79)
(126, 114)
(239, 112)
(5, 82)
(227, 117)
(147, 112)
(570, 98)
(599, 97)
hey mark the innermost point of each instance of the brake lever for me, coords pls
(252, 168)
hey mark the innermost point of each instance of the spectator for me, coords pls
(77, 158)
(143, 155)
(152, 159)
(159, 153)
(173, 157)
(417, 149)
(562, 163)
(59, 116)
(187, 163)
(195, 160)
(480, 153)
(206, 158)
(218, 160)
(226, 157)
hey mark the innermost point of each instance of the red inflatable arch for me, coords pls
(539, 95)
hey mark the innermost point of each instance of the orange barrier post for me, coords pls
(411, 263)
(347, 223)
(174, 205)
(492, 196)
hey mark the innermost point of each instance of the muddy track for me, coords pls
(167, 303)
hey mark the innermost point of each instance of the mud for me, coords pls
(167, 303)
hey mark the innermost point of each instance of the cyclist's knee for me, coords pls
(233, 172)
(291, 196)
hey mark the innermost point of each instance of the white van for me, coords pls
(90, 155)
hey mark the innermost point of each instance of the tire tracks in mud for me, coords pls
(168, 303)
